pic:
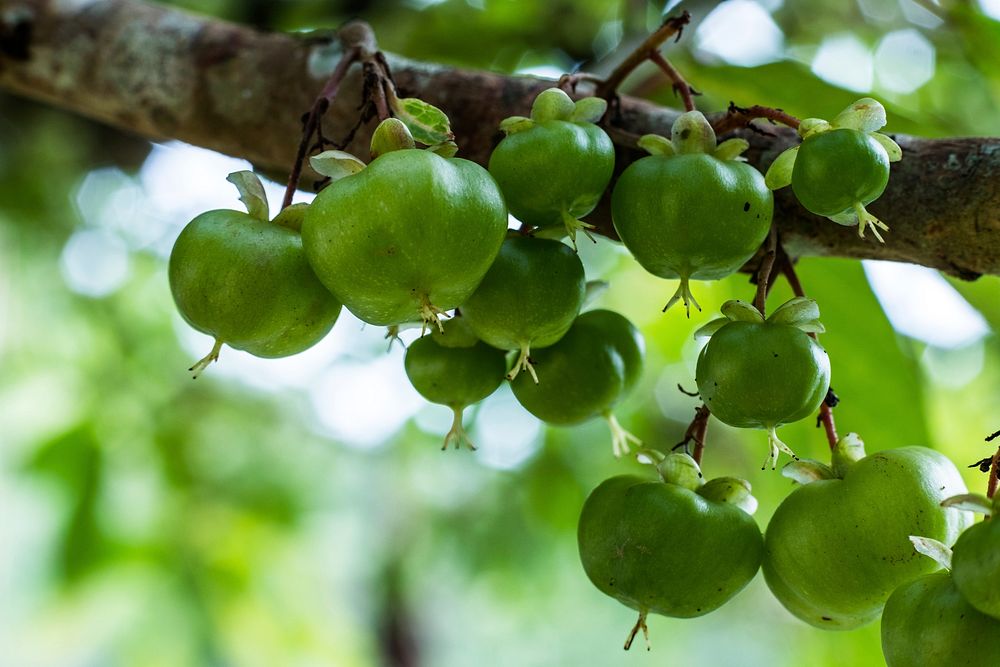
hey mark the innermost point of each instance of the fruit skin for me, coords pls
(837, 169)
(556, 167)
(663, 548)
(691, 215)
(975, 566)
(761, 375)
(529, 297)
(928, 622)
(836, 548)
(407, 237)
(246, 282)
(454, 375)
(586, 372)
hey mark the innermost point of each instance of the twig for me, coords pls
(696, 431)
(825, 411)
(680, 85)
(991, 485)
(993, 436)
(670, 27)
(765, 268)
(737, 117)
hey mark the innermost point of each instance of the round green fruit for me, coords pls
(757, 373)
(452, 367)
(975, 566)
(837, 546)
(928, 622)
(839, 169)
(585, 373)
(554, 167)
(245, 281)
(691, 212)
(528, 299)
(678, 547)
(406, 238)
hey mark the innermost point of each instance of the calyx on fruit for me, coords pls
(406, 238)
(454, 368)
(245, 280)
(692, 209)
(840, 166)
(585, 374)
(975, 562)
(528, 299)
(762, 373)
(554, 166)
(675, 546)
(839, 544)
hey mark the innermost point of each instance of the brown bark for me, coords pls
(165, 74)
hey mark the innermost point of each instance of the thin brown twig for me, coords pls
(991, 485)
(739, 117)
(671, 26)
(696, 431)
(764, 270)
(680, 85)
(825, 411)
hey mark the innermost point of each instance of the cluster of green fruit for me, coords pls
(680, 546)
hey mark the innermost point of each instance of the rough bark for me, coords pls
(166, 74)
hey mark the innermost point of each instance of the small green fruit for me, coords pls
(246, 282)
(837, 547)
(585, 374)
(528, 299)
(677, 547)
(976, 564)
(453, 368)
(554, 167)
(928, 622)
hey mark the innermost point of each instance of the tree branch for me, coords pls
(165, 74)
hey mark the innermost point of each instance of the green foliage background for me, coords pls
(149, 520)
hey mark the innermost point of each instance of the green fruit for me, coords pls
(837, 169)
(246, 282)
(585, 373)
(839, 545)
(528, 299)
(840, 166)
(762, 374)
(691, 211)
(679, 548)
(928, 622)
(406, 238)
(453, 368)
(554, 167)
(975, 566)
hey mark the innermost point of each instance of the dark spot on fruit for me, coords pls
(775, 354)
(746, 206)
(719, 589)
(685, 134)
(611, 582)
(827, 618)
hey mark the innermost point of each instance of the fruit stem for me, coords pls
(991, 485)
(868, 221)
(523, 363)
(673, 25)
(683, 293)
(457, 433)
(620, 438)
(825, 409)
(203, 363)
(775, 446)
(573, 225)
(738, 117)
(696, 431)
(639, 625)
(430, 315)
(681, 87)
(764, 270)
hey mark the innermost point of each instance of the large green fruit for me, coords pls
(554, 167)
(757, 373)
(406, 238)
(927, 622)
(692, 211)
(528, 299)
(678, 547)
(975, 564)
(453, 368)
(837, 546)
(246, 282)
(585, 373)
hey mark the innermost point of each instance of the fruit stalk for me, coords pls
(991, 485)
(764, 271)
(672, 26)
(738, 117)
